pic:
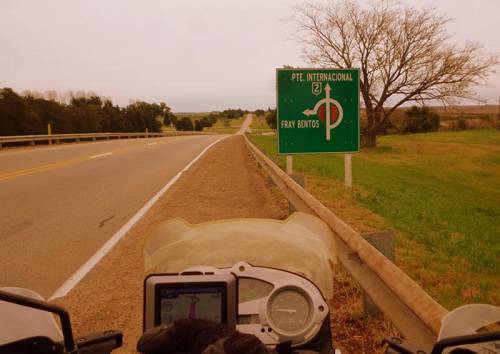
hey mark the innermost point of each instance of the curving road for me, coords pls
(60, 204)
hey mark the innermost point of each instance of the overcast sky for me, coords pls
(197, 55)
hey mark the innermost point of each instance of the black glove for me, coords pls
(199, 337)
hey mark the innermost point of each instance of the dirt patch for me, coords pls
(224, 184)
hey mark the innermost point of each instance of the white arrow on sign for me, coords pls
(327, 100)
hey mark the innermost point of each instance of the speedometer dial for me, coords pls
(289, 310)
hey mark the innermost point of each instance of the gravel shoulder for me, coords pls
(225, 183)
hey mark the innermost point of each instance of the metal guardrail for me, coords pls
(32, 139)
(414, 313)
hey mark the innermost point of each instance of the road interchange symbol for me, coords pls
(327, 101)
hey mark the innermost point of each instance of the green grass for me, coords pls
(221, 126)
(485, 136)
(441, 191)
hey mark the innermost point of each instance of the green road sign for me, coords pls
(318, 110)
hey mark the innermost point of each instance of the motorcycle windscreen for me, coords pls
(302, 244)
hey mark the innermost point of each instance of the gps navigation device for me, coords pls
(190, 296)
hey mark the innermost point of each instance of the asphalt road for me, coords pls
(60, 204)
(246, 124)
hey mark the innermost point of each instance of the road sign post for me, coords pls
(318, 112)
(289, 165)
(348, 171)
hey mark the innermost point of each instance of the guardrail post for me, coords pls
(269, 182)
(49, 133)
(32, 142)
(297, 178)
(383, 241)
(147, 131)
(301, 181)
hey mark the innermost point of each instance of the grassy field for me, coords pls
(227, 126)
(439, 191)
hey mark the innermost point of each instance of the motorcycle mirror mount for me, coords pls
(69, 342)
(46, 337)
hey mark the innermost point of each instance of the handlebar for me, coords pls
(285, 311)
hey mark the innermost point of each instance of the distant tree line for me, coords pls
(225, 115)
(29, 114)
(189, 124)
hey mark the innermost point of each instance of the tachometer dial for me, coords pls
(289, 310)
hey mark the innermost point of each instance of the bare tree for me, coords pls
(403, 55)
(66, 96)
(51, 95)
(31, 93)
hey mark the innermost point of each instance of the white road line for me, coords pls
(74, 279)
(152, 144)
(101, 155)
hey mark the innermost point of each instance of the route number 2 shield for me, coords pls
(317, 110)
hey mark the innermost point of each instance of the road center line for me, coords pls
(59, 164)
(152, 144)
(74, 279)
(37, 169)
(101, 155)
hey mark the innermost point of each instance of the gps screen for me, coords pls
(192, 302)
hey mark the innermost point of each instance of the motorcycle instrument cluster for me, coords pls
(274, 305)
(292, 309)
